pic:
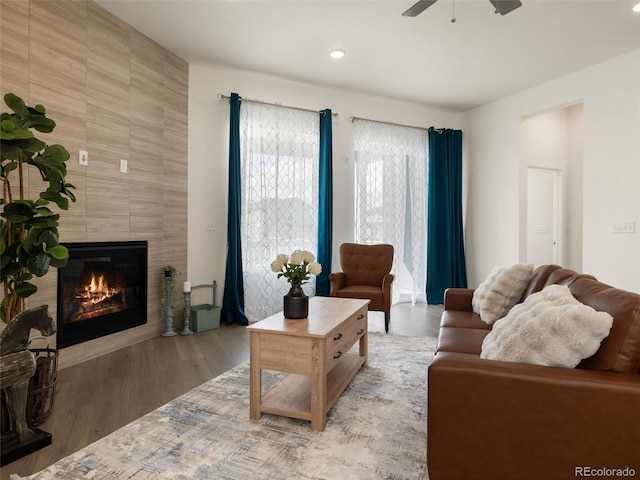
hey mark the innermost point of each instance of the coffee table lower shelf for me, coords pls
(291, 397)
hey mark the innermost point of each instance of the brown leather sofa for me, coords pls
(497, 420)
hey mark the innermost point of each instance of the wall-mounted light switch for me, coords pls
(123, 166)
(83, 158)
(625, 227)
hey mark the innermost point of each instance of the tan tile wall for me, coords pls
(118, 95)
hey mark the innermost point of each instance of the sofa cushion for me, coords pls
(538, 279)
(461, 340)
(565, 276)
(549, 328)
(620, 351)
(500, 291)
(462, 319)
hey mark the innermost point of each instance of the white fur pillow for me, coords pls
(500, 291)
(549, 328)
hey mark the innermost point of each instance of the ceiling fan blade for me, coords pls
(505, 6)
(418, 8)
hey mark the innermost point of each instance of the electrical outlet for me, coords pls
(123, 166)
(209, 226)
(83, 158)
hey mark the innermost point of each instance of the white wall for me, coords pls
(209, 146)
(610, 92)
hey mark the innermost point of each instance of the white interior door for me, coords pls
(543, 217)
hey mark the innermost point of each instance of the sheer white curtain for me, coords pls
(279, 148)
(391, 200)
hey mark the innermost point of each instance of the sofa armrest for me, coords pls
(492, 419)
(458, 299)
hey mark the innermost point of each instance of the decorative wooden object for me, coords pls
(17, 366)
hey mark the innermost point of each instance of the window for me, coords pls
(280, 165)
(391, 199)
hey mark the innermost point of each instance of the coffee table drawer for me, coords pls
(343, 338)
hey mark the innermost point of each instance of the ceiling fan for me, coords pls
(502, 7)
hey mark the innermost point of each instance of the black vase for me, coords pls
(296, 304)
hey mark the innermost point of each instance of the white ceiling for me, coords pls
(454, 66)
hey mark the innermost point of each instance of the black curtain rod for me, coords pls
(353, 119)
(223, 96)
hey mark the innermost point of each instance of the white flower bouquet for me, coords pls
(297, 267)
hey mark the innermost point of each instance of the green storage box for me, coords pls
(204, 317)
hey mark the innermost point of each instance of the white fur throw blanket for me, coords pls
(549, 328)
(500, 291)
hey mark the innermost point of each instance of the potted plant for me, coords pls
(29, 242)
(297, 268)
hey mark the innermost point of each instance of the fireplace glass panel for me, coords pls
(101, 290)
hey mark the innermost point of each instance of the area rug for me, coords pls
(376, 430)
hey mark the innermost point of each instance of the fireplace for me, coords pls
(102, 290)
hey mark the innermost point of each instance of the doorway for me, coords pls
(543, 216)
(551, 214)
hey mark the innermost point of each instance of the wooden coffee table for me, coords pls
(313, 352)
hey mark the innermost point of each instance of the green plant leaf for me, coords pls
(55, 197)
(16, 104)
(21, 134)
(25, 277)
(44, 211)
(17, 212)
(7, 125)
(39, 265)
(25, 289)
(59, 263)
(56, 152)
(11, 152)
(30, 146)
(48, 238)
(59, 252)
(10, 269)
(44, 222)
(31, 245)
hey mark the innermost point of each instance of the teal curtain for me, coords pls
(233, 297)
(325, 204)
(446, 266)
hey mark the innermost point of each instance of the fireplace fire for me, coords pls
(97, 298)
(101, 290)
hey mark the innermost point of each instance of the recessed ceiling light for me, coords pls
(636, 7)
(337, 53)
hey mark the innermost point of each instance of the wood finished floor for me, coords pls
(101, 395)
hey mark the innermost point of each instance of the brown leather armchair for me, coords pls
(365, 274)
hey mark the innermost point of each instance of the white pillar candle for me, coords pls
(186, 287)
